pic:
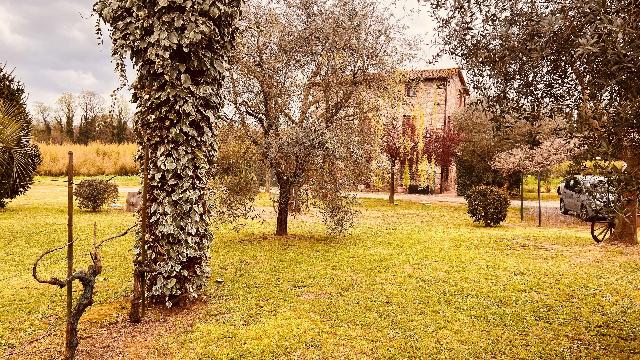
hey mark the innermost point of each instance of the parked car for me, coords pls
(588, 197)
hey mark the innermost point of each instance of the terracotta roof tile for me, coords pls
(438, 74)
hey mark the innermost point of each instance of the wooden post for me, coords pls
(522, 197)
(143, 227)
(139, 272)
(68, 339)
(539, 205)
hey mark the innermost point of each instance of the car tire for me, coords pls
(563, 208)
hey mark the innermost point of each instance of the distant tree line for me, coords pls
(83, 118)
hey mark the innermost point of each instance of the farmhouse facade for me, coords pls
(434, 95)
(431, 97)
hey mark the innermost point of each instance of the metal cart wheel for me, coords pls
(602, 230)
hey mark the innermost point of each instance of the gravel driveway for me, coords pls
(442, 198)
(448, 198)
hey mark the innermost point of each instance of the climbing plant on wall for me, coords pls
(179, 50)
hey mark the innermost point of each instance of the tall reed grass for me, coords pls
(88, 160)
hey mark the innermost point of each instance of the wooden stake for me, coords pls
(522, 197)
(139, 269)
(68, 339)
(539, 204)
(143, 227)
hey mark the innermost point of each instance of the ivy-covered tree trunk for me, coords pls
(180, 50)
(178, 235)
(626, 231)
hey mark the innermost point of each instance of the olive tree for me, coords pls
(305, 76)
(480, 143)
(180, 52)
(572, 59)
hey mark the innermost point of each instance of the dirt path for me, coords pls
(119, 339)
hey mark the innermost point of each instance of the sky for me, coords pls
(52, 48)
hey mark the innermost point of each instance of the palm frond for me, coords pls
(18, 157)
(14, 126)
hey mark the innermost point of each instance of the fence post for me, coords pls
(139, 269)
(522, 197)
(68, 339)
(143, 226)
(539, 204)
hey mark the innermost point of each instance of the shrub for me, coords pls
(93, 194)
(478, 147)
(487, 205)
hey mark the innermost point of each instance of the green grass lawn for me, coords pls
(410, 281)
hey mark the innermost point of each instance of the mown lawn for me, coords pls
(410, 281)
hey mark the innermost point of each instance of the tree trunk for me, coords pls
(178, 233)
(626, 231)
(135, 313)
(283, 209)
(442, 175)
(392, 184)
(446, 178)
(412, 173)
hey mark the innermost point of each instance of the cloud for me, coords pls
(53, 47)
(83, 79)
(8, 36)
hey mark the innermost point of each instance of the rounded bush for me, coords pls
(93, 194)
(487, 205)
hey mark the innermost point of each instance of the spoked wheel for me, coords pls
(602, 230)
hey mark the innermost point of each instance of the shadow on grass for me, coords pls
(293, 239)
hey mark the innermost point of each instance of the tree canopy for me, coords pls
(304, 76)
(539, 60)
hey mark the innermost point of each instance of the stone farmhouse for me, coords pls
(434, 94)
(430, 99)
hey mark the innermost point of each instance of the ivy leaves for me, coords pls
(172, 45)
